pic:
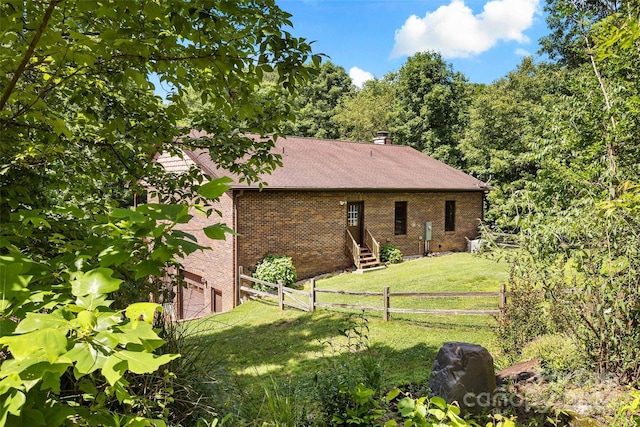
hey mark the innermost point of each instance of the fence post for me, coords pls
(503, 297)
(385, 302)
(312, 296)
(280, 294)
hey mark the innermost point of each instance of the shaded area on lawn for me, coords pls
(260, 340)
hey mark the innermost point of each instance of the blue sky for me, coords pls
(482, 39)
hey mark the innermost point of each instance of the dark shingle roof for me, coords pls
(320, 164)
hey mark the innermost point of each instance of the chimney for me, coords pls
(382, 138)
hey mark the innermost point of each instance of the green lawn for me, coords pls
(257, 340)
(451, 273)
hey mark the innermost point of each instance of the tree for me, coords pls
(506, 121)
(318, 101)
(431, 106)
(570, 21)
(361, 116)
(79, 123)
(579, 237)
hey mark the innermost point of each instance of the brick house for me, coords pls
(329, 207)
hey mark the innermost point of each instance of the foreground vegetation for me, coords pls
(79, 253)
(312, 367)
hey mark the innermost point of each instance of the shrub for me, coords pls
(275, 268)
(585, 258)
(390, 253)
(557, 354)
(523, 319)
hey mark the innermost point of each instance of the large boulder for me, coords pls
(464, 373)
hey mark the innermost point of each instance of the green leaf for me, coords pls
(406, 405)
(9, 382)
(49, 342)
(13, 282)
(86, 358)
(60, 127)
(438, 413)
(138, 335)
(129, 214)
(148, 267)
(218, 231)
(94, 282)
(35, 321)
(438, 402)
(11, 404)
(392, 394)
(146, 310)
(141, 363)
(91, 302)
(113, 256)
(216, 188)
(48, 373)
(169, 212)
(114, 368)
(134, 361)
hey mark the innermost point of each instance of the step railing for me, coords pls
(372, 244)
(353, 249)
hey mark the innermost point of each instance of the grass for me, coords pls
(453, 273)
(257, 341)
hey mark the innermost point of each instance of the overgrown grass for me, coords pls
(257, 342)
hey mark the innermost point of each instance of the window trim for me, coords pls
(450, 215)
(400, 223)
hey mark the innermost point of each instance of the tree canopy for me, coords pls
(318, 102)
(80, 126)
(430, 107)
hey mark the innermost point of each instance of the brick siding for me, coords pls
(215, 265)
(310, 226)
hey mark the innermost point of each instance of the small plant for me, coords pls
(423, 412)
(364, 411)
(390, 253)
(284, 407)
(629, 413)
(347, 390)
(274, 269)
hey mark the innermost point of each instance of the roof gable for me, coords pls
(321, 164)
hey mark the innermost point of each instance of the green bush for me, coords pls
(390, 253)
(557, 354)
(522, 320)
(274, 269)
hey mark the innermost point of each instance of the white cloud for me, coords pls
(522, 52)
(456, 32)
(359, 76)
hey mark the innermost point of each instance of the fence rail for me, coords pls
(296, 298)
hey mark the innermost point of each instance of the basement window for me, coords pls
(401, 218)
(450, 215)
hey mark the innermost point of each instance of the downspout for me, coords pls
(236, 278)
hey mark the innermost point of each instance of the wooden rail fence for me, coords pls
(305, 300)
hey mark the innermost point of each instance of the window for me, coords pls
(352, 216)
(450, 215)
(401, 218)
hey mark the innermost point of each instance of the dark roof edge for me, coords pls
(363, 190)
